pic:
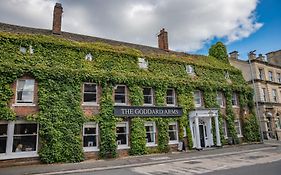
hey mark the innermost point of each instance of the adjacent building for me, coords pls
(66, 97)
(264, 74)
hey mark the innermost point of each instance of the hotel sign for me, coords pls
(147, 111)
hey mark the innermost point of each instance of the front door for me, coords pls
(202, 135)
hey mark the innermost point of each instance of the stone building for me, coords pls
(264, 73)
(66, 97)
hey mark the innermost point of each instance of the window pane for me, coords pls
(120, 99)
(120, 90)
(121, 139)
(24, 143)
(3, 144)
(29, 85)
(170, 100)
(3, 129)
(172, 127)
(90, 141)
(149, 128)
(90, 88)
(90, 130)
(121, 130)
(150, 138)
(172, 135)
(25, 129)
(170, 92)
(147, 91)
(88, 97)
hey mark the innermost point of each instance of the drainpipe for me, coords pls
(256, 98)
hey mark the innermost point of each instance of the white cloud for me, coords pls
(190, 23)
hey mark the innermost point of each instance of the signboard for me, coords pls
(147, 111)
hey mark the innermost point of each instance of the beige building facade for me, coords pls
(264, 74)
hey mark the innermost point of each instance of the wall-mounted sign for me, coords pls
(147, 111)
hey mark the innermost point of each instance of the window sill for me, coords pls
(151, 145)
(235, 106)
(171, 105)
(121, 104)
(123, 147)
(90, 149)
(148, 104)
(173, 142)
(90, 104)
(23, 104)
(18, 155)
(239, 136)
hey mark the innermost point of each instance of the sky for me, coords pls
(192, 25)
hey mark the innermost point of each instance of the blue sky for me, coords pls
(265, 39)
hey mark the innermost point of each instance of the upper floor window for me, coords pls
(90, 136)
(122, 132)
(220, 99)
(143, 64)
(25, 91)
(263, 94)
(170, 97)
(234, 99)
(226, 75)
(274, 95)
(261, 74)
(238, 128)
(148, 96)
(270, 76)
(278, 77)
(120, 94)
(224, 128)
(197, 99)
(89, 93)
(89, 57)
(189, 69)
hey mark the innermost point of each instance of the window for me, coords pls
(120, 94)
(234, 99)
(143, 64)
(274, 95)
(270, 76)
(89, 57)
(25, 137)
(189, 69)
(197, 99)
(278, 77)
(226, 75)
(90, 136)
(238, 128)
(148, 96)
(224, 128)
(278, 122)
(3, 137)
(261, 77)
(122, 135)
(263, 94)
(173, 133)
(23, 50)
(220, 99)
(170, 97)
(150, 133)
(90, 93)
(25, 91)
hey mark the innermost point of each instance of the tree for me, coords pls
(219, 51)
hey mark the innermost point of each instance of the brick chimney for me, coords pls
(163, 40)
(57, 19)
(234, 54)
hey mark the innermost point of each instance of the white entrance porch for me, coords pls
(200, 121)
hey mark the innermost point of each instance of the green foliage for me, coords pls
(138, 135)
(251, 129)
(219, 51)
(163, 135)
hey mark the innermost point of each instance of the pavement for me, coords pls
(136, 161)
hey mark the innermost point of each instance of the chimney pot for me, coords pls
(163, 40)
(57, 18)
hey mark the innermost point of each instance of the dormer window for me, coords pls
(31, 50)
(89, 57)
(189, 69)
(23, 50)
(143, 64)
(226, 75)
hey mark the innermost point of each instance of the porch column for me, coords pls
(192, 134)
(217, 131)
(197, 134)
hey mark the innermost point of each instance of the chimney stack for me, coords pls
(252, 55)
(234, 54)
(57, 19)
(163, 40)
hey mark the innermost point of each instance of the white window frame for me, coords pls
(31, 103)
(274, 96)
(261, 73)
(220, 98)
(177, 133)
(270, 76)
(195, 97)
(279, 77)
(122, 124)
(226, 75)
(189, 69)
(89, 57)
(126, 94)
(152, 132)
(143, 63)
(234, 97)
(90, 103)
(10, 139)
(91, 125)
(239, 134)
(263, 95)
(173, 96)
(152, 97)
(224, 128)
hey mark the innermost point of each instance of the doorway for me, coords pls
(202, 131)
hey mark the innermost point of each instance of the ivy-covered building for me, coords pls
(65, 97)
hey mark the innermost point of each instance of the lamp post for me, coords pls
(256, 97)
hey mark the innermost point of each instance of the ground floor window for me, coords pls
(173, 133)
(224, 128)
(238, 128)
(90, 136)
(18, 139)
(122, 132)
(150, 133)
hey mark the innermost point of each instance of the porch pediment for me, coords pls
(211, 112)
